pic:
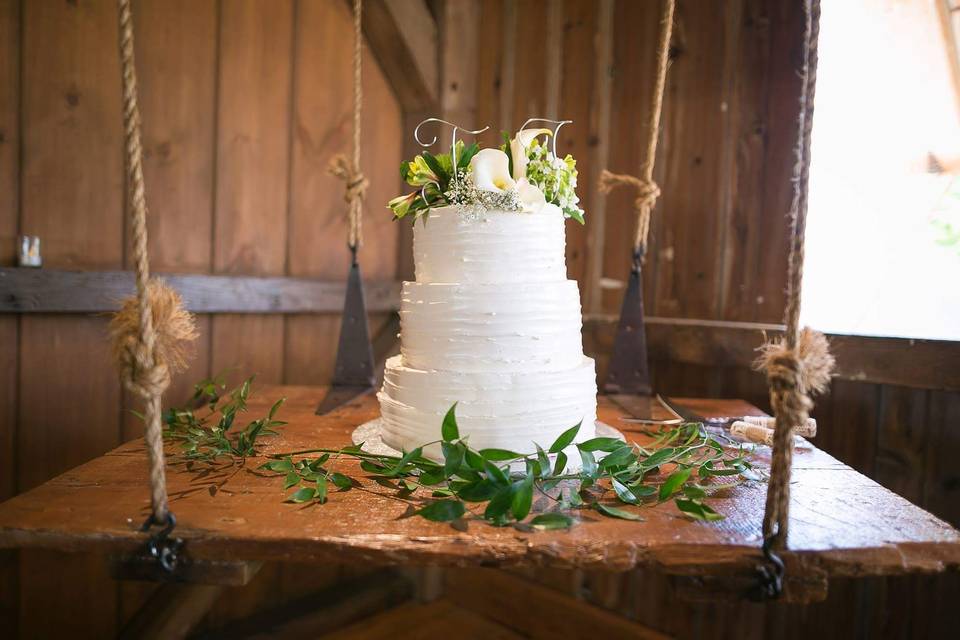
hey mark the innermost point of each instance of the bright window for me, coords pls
(883, 230)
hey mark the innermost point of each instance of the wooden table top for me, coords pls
(843, 523)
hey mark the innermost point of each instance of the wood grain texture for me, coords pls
(251, 214)
(579, 75)
(9, 129)
(176, 62)
(489, 68)
(72, 173)
(250, 230)
(440, 618)
(880, 533)
(535, 611)
(71, 190)
(403, 35)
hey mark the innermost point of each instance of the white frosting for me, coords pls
(492, 324)
(496, 246)
(518, 327)
(496, 409)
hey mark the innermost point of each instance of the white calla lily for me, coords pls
(530, 195)
(518, 149)
(491, 171)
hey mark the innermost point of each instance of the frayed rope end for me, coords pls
(175, 331)
(813, 357)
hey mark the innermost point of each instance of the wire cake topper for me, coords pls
(453, 140)
(556, 129)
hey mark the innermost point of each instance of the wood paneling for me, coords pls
(580, 22)
(9, 128)
(176, 48)
(71, 190)
(72, 173)
(252, 176)
(9, 331)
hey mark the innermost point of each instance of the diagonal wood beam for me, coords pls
(402, 34)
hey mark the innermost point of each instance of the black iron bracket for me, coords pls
(629, 371)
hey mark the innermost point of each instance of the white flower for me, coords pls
(491, 171)
(530, 195)
(518, 149)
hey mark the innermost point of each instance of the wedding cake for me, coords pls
(491, 324)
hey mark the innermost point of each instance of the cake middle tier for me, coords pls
(519, 327)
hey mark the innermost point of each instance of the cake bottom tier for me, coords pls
(495, 410)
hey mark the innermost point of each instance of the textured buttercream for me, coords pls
(495, 246)
(495, 409)
(516, 327)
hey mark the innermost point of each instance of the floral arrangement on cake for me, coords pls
(522, 176)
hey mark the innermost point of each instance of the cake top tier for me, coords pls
(490, 246)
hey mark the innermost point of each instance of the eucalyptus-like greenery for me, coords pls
(206, 432)
(499, 486)
(684, 464)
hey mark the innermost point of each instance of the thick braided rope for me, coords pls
(140, 370)
(786, 366)
(349, 171)
(647, 189)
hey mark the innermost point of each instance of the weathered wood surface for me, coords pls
(844, 524)
(24, 290)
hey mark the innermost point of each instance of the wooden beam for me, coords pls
(536, 611)
(230, 573)
(172, 612)
(927, 364)
(53, 291)
(402, 34)
(321, 612)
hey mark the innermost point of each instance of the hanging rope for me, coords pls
(799, 364)
(356, 183)
(151, 331)
(647, 189)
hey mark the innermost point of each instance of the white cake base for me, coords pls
(370, 435)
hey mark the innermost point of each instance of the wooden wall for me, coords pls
(244, 102)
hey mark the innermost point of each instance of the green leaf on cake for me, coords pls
(601, 444)
(565, 438)
(522, 498)
(499, 455)
(449, 430)
(452, 456)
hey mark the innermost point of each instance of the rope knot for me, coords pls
(355, 182)
(647, 193)
(140, 370)
(647, 190)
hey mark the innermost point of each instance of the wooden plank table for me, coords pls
(843, 523)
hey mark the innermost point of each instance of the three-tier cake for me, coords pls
(493, 324)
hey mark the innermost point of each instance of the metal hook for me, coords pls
(556, 130)
(161, 546)
(770, 586)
